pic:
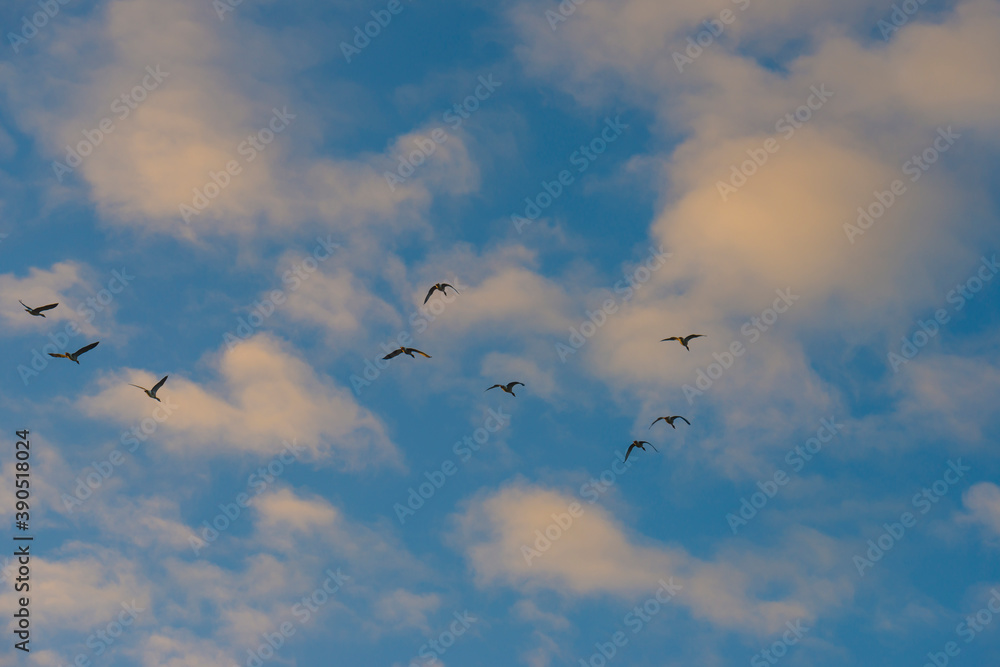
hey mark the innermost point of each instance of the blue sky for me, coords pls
(811, 187)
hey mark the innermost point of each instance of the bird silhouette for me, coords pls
(405, 350)
(670, 420)
(509, 387)
(152, 392)
(683, 340)
(73, 355)
(639, 444)
(439, 286)
(37, 312)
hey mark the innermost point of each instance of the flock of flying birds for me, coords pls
(73, 356)
(409, 351)
(670, 419)
(509, 387)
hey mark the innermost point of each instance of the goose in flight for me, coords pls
(670, 420)
(37, 312)
(405, 350)
(73, 355)
(509, 387)
(152, 392)
(639, 444)
(439, 286)
(683, 340)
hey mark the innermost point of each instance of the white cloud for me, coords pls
(77, 290)
(264, 396)
(85, 592)
(982, 501)
(785, 227)
(340, 303)
(596, 555)
(194, 119)
(404, 609)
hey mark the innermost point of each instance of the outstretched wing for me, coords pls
(656, 420)
(48, 307)
(443, 285)
(688, 338)
(136, 386)
(511, 385)
(651, 445)
(629, 450)
(57, 356)
(85, 348)
(394, 353)
(671, 338)
(685, 420)
(26, 306)
(429, 292)
(158, 384)
(493, 387)
(413, 349)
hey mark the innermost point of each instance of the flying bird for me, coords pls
(37, 312)
(683, 340)
(152, 392)
(439, 286)
(509, 387)
(73, 355)
(670, 420)
(405, 350)
(639, 444)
